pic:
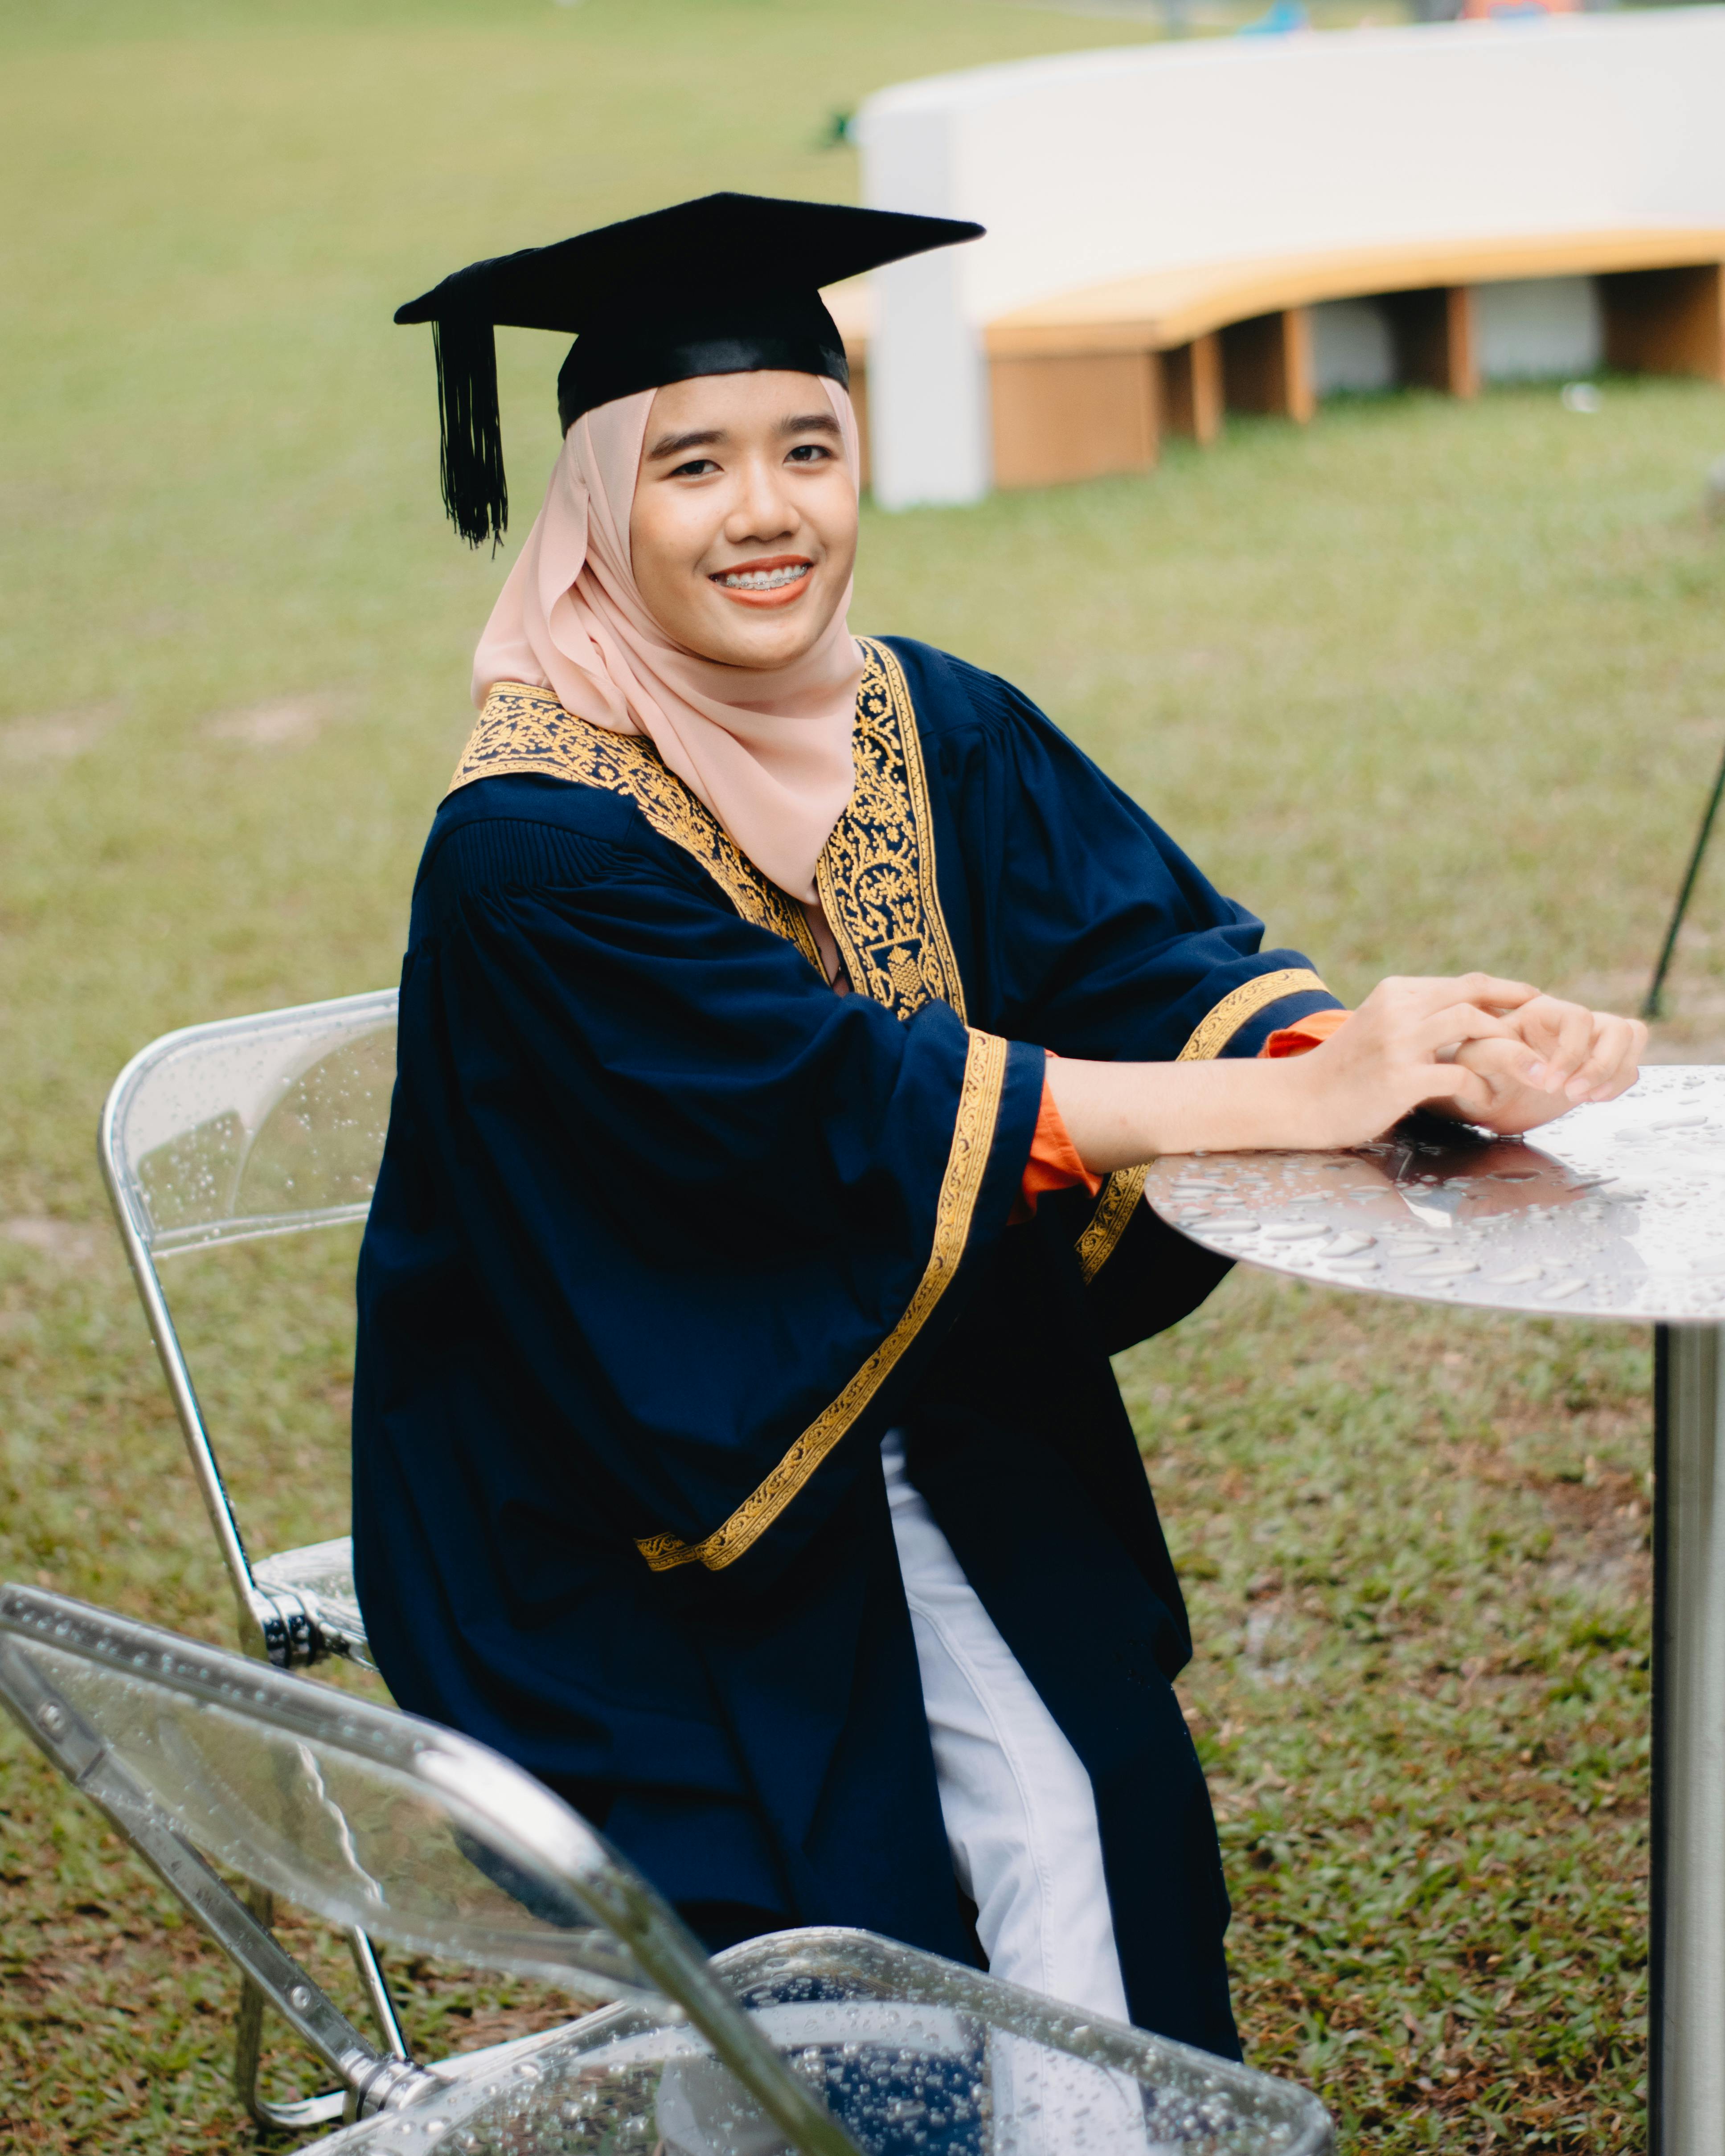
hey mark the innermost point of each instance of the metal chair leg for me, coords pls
(325, 2110)
(377, 1998)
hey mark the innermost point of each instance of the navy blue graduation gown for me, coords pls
(667, 1234)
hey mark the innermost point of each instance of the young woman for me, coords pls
(785, 1018)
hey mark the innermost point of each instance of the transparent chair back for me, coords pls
(372, 1819)
(364, 1816)
(266, 1125)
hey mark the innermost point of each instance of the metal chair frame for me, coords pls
(283, 1617)
(537, 1840)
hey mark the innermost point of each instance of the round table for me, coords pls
(1615, 1211)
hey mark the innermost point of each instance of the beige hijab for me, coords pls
(768, 752)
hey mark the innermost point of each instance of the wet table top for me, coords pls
(1615, 1211)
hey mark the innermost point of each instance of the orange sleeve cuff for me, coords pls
(1053, 1163)
(1303, 1035)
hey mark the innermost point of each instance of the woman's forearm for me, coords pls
(1118, 1114)
(1413, 1039)
(1458, 1041)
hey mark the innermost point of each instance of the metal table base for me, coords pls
(1618, 1212)
(1686, 2035)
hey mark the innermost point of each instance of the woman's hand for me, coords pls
(1582, 1055)
(1454, 1045)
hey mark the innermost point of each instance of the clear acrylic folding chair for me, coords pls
(266, 1125)
(829, 2042)
(272, 1125)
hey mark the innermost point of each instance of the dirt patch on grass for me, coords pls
(281, 723)
(71, 1242)
(57, 736)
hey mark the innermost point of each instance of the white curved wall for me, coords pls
(1094, 166)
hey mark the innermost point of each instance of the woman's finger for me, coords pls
(1418, 995)
(1489, 989)
(1575, 1031)
(1608, 1039)
(1455, 1083)
(1613, 1086)
(1614, 1064)
(1500, 1062)
(1535, 1025)
(1462, 1021)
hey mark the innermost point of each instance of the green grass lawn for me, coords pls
(1428, 685)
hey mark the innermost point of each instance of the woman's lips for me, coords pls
(776, 582)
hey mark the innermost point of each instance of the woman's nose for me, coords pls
(763, 510)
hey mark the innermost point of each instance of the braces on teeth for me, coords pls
(763, 580)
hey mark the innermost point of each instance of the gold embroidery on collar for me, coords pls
(527, 730)
(972, 1140)
(1120, 1193)
(877, 873)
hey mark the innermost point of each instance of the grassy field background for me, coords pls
(1429, 686)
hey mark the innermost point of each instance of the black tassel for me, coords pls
(475, 493)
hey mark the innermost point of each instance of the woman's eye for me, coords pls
(809, 453)
(696, 468)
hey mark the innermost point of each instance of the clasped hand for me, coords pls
(1488, 1051)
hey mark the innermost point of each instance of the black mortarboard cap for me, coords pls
(727, 284)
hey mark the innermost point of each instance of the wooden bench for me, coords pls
(1085, 383)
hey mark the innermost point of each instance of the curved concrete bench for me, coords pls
(1176, 231)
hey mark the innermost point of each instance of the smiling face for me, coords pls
(743, 529)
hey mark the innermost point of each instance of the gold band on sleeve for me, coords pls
(1116, 1204)
(1120, 1193)
(980, 1096)
(1218, 1027)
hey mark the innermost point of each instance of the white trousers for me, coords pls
(1020, 1817)
(1021, 1822)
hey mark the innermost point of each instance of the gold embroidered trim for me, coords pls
(1217, 1028)
(523, 729)
(1123, 1190)
(1115, 1207)
(973, 1138)
(876, 873)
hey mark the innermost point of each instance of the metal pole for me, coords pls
(1687, 2032)
(1651, 1007)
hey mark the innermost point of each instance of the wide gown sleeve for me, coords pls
(713, 1217)
(1096, 935)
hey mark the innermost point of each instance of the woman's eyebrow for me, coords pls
(808, 423)
(673, 445)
